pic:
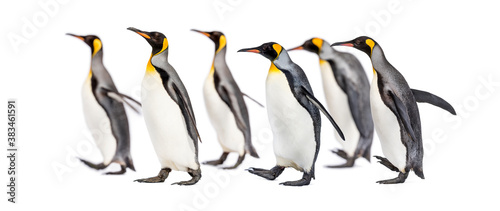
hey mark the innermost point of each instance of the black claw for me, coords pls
(268, 174)
(306, 179)
(400, 179)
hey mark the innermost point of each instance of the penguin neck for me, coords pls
(219, 60)
(282, 61)
(326, 52)
(379, 62)
(97, 66)
(96, 60)
(159, 59)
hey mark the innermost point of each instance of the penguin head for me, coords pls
(216, 36)
(270, 50)
(362, 43)
(92, 41)
(312, 45)
(157, 40)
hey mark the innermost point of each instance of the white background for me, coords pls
(448, 48)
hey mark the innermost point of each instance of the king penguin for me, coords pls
(104, 112)
(395, 113)
(226, 107)
(347, 93)
(294, 117)
(168, 114)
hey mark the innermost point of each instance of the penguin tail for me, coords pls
(367, 154)
(251, 150)
(129, 163)
(419, 172)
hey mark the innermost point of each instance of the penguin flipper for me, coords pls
(426, 97)
(355, 101)
(121, 98)
(186, 108)
(402, 112)
(316, 103)
(255, 101)
(238, 108)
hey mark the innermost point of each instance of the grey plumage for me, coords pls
(302, 92)
(397, 95)
(108, 97)
(350, 76)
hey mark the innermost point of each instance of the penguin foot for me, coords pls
(349, 163)
(98, 166)
(196, 176)
(240, 160)
(122, 171)
(221, 160)
(306, 179)
(341, 153)
(162, 176)
(400, 179)
(268, 174)
(387, 163)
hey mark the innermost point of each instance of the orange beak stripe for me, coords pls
(144, 35)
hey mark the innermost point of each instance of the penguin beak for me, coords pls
(252, 50)
(297, 48)
(142, 33)
(348, 44)
(79, 37)
(201, 32)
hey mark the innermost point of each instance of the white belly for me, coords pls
(338, 106)
(387, 127)
(292, 126)
(98, 123)
(230, 137)
(166, 126)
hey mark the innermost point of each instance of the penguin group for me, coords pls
(355, 108)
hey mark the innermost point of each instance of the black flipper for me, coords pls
(403, 115)
(426, 97)
(242, 122)
(356, 107)
(187, 109)
(255, 101)
(121, 98)
(316, 103)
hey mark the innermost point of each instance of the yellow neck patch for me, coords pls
(97, 46)
(273, 69)
(374, 72)
(165, 46)
(212, 69)
(149, 67)
(222, 43)
(278, 49)
(90, 74)
(370, 43)
(322, 62)
(317, 42)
